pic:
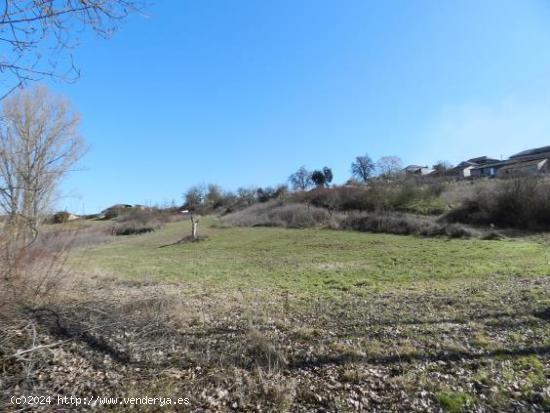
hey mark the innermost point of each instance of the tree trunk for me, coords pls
(194, 228)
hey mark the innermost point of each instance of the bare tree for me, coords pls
(442, 167)
(389, 166)
(301, 179)
(39, 142)
(195, 197)
(246, 195)
(363, 168)
(38, 36)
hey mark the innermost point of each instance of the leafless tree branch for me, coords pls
(38, 36)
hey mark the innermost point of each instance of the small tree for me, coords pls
(442, 167)
(389, 166)
(363, 168)
(265, 194)
(246, 195)
(195, 197)
(301, 179)
(318, 178)
(328, 175)
(214, 196)
(281, 191)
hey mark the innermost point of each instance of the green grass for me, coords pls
(279, 315)
(311, 260)
(455, 402)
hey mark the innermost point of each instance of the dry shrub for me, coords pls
(403, 224)
(71, 238)
(61, 217)
(455, 193)
(275, 389)
(376, 196)
(35, 271)
(278, 214)
(35, 275)
(260, 351)
(135, 228)
(137, 221)
(31, 280)
(518, 203)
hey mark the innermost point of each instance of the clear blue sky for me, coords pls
(242, 93)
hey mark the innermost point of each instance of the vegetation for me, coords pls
(363, 168)
(522, 203)
(312, 260)
(286, 304)
(278, 319)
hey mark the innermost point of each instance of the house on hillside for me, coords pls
(527, 163)
(531, 154)
(531, 162)
(483, 160)
(524, 168)
(488, 170)
(464, 169)
(416, 170)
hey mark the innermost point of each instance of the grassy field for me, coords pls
(267, 319)
(284, 320)
(313, 261)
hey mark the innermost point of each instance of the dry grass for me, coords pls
(278, 214)
(255, 351)
(427, 344)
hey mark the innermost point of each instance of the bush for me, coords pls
(137, 221)
(115, 211)
(278, 214)
(404, 196)
(402, 224)
(134, 228)
(61, 217)
(518, 203)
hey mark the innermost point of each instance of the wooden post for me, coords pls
(194, 228)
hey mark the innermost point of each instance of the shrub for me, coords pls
(140, 221)
(115, 211)
(519, 203)
(134, 228)
(61, 217)
(405, 196)
(278, 214)
(402, 224)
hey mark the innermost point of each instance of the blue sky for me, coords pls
(243, 93)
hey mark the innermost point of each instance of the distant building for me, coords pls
(527, 163)
(483, 160)
(464, 169)
(524, 168)
(531, 154)
(487, 171)
(417, 170)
